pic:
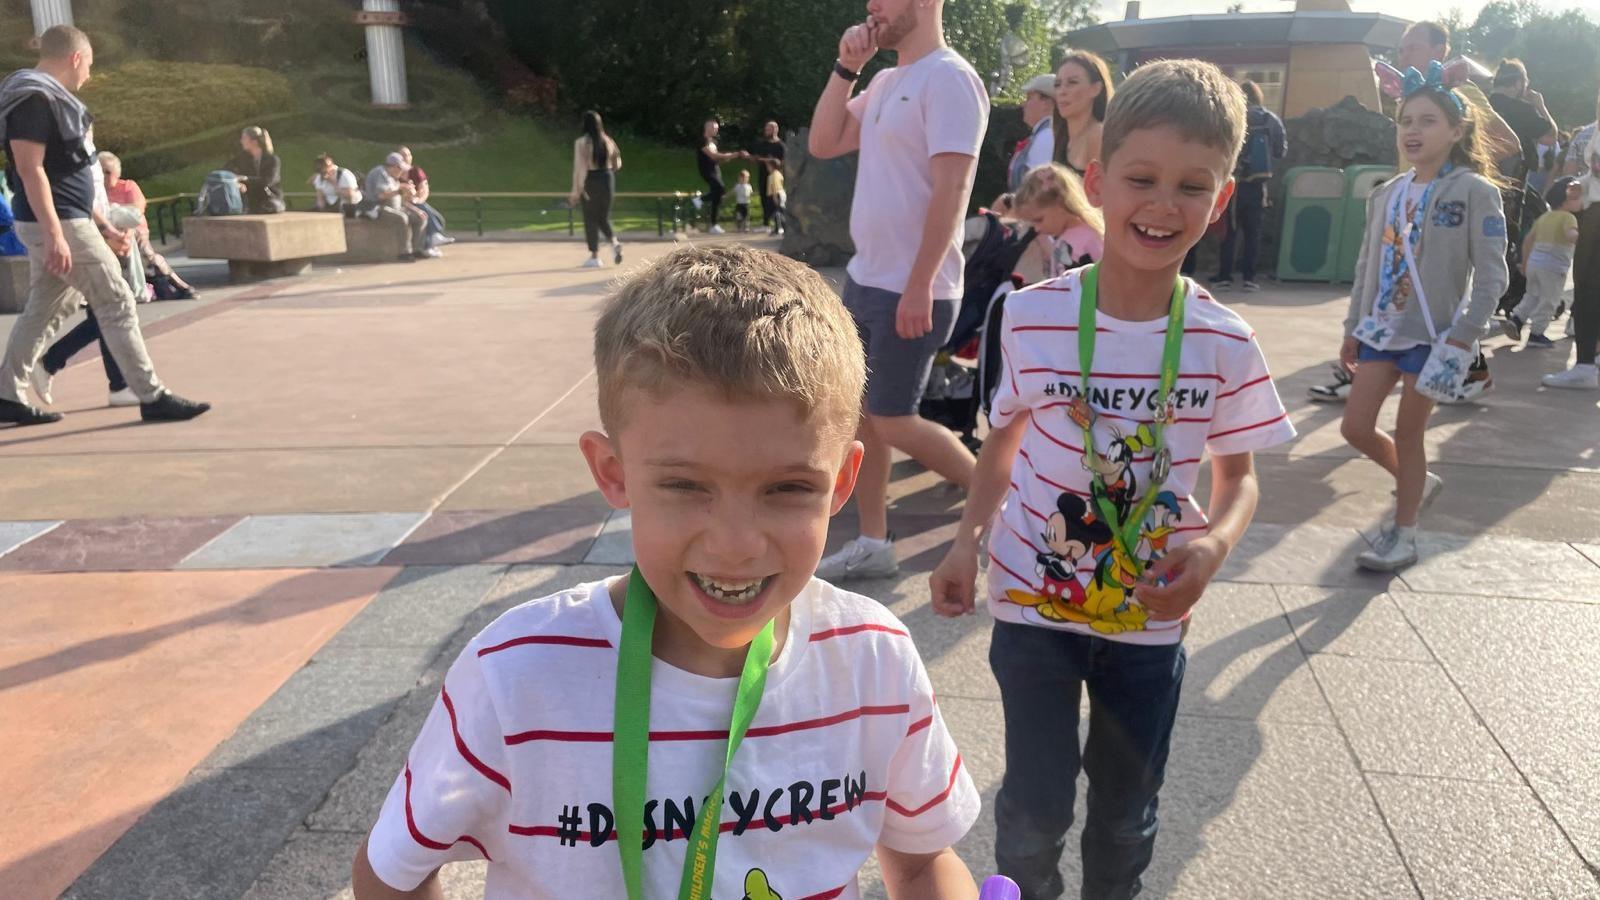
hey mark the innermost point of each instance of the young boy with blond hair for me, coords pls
(794, 721)
(1119, 378)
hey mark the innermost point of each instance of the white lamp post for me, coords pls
(386, 51)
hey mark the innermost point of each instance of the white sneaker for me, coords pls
(433, 253)
(1581, 376)
(441, 239)
(857, 560)
(592, 262)
(716, 229)
(41, 383)
(1396, 549)
(1431, 487)
(124, 397)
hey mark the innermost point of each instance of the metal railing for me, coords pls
(486, 210)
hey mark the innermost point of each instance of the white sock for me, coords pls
(1406, 532)
(873, 543)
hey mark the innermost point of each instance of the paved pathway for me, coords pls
(221, 636)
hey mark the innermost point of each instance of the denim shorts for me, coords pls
(897, 368)
(1409, 361)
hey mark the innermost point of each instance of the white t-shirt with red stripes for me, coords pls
(514, 763)
(1052, 562)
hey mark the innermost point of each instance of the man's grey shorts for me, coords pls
(897, 369)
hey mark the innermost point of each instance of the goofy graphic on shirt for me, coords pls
(757, 888)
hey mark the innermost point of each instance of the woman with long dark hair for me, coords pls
(1083, 88)
(259, 170)
(595, 161)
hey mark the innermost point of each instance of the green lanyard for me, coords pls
(630, 748)
(1126, 533)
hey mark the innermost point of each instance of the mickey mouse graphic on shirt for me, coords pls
(1105, 602)
(1069, 535)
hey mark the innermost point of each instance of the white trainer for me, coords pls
(1395, 550)
(857, 560)
(592, 262)
(1580, 377)
(717, 229)
(124, 397)
(41, 382)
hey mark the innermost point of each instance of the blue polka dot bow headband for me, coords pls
(1414, 81)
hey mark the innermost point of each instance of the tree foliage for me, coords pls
(663, 66)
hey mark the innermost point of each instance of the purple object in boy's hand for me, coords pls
(999, 887)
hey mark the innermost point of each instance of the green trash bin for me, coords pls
(1313, 217)
(1360, 182)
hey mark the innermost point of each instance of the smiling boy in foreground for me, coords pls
(730, 382)
(1119, 378)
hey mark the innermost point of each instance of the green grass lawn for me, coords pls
(523, 154)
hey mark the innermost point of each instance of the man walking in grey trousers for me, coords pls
(43, 128)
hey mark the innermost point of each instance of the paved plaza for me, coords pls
(218, 638)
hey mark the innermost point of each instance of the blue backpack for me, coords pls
(10, 244)
(1255, 160)
(219, 195)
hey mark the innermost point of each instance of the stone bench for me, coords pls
(264, 246)
(380, 240)
(13, 283)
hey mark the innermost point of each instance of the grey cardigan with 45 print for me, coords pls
(1463, 243)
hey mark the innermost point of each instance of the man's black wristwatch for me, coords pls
(842, 72)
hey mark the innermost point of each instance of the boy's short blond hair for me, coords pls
(1187, 94)
(748, 323)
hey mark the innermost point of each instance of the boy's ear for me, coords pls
(1093, 180)
(605, 464)
(844, 484)
(1223, 196)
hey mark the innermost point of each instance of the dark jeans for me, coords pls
(82, 335)
(1133, 700)
(1586, 285)
(714, 195)
(1243, 215)
(598, 187)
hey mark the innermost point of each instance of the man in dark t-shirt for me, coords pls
(1523, 109)
(65, 165)
(47, 143)
(710, 160)
(768, 149)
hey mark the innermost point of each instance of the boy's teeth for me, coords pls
(735, 591)
(1155, 232)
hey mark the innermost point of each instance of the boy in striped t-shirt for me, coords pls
(1118, 379)
(794, 733)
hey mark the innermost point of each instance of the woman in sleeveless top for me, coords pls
(595, 161)
(1083, 88)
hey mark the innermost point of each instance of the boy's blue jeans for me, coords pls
(1133, 701)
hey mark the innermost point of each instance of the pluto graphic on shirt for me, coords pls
(1076, 533)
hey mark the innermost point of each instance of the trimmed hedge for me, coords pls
(144, 104)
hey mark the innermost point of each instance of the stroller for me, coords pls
(957, 391)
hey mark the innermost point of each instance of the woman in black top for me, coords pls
(259, 171)
(1083, 89)
(595, 161)
(710, 159)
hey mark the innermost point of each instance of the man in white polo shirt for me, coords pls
(918, 127)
